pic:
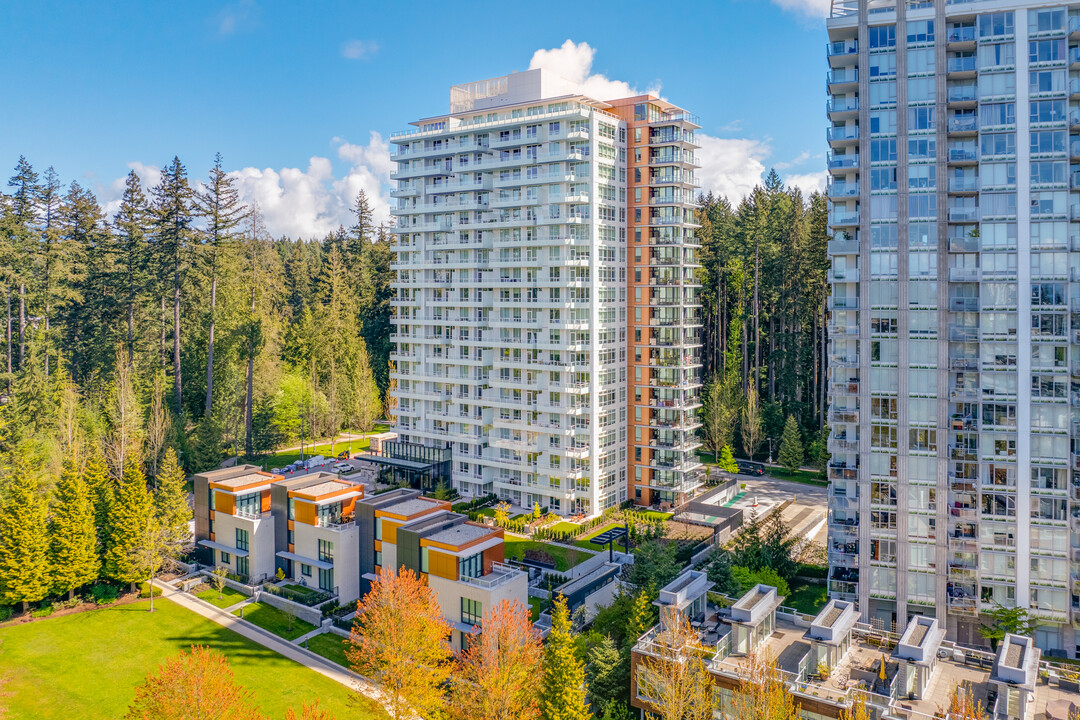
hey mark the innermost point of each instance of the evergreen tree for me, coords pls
(24, 553)
(84, 295)
(791, 448)
(727, 461)
(607, 676)
(641, 618)
(132, 228)
(73, 537)
(24, 184)
(220, 207)
(170, 502)
(102, 489)
(564, 674)
(129, 517)
(174, 246)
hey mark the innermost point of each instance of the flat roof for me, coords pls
(325, 488)
(460, 534)
(383, 460)
(831, 616)
(246, 479)
(410, 506)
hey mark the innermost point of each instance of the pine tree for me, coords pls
(608, 678)
(791, 448)
(564, 689)
(102, 489)
(24, 553)
(220, 207)
(73, 551)
(23, 206)
(129, 516)
(132, 225)
(170, 501)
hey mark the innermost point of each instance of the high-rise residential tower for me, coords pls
(543, 239)
(953, 353)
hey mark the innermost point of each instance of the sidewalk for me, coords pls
(271, 641)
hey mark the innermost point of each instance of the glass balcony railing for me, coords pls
(843, 190)
(961, 34)
(842, 75)
(837, 105)
(963, 184)
(963, 153)
(960, 64)
(963, 123)
(964, 214)
(850, 161)
(963, 93)
(844, 218)
(846, 132)
(1074, 55)
(842, 47)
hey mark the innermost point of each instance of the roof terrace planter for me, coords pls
(309, 597)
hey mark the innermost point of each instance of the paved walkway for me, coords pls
(271, 641)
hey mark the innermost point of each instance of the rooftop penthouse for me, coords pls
(828, 658)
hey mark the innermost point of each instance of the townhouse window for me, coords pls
(242, 566)
(472, 611)
(378, 558)
(213, 500)
(326, 579)
(291, 537)
(378, 528)
(225, 558)
(248, 504)
(291, 509)
(241, 539)
(472, 566)
(423, 559)
(326, 551)
(305, 570)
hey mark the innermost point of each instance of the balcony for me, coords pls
(960, 38)
(962, 95)
(842, 79)
(842, 53)
(963, 333)
(500, 574)
(963, 214)
(963, 304)
(963, 125)
(842, 163)
(842, 190)
(843, 303)
(839, 108)
(960, 67)
(964, 274)
(966, 184)
(847, 275)
(963, 155)
(842, 135)
(843, 247)
(844, 218)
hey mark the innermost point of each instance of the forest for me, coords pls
(764, 272)
(223, 339)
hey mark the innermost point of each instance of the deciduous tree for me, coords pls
(399, 640)
(964, 706)
(762, 693)
(499, 674)
(563, 686)
(673, 680)
(193, 685)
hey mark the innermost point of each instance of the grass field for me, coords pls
(228, 597)
(565, 558)
(563, 526)
(87, 665)
(808, 598)
(330, 646)
(282, 459)
(270, 618)
(536, 606)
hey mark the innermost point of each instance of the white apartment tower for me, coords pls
(511, 245)
(955, 312)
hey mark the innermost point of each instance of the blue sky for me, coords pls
(300, 96)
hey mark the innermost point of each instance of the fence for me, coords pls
(303, 612)
(308, 597)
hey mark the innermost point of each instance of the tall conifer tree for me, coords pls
(563, 694)
(73, 539)
(131, 513)
(24, 553)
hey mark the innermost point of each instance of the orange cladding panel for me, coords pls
(442, 565)
(225, 503)
(305, 512)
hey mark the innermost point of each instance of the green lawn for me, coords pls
(536, 606)
(301, 589)
(563, 526)
(584, 542)
(330, 646)
(228, 597)
(87, 665)
(564, 557)
(808, 599)
(282, 459)
(270, 618)
(655, 514)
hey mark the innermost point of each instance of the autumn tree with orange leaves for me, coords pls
(199, 685)
(674, 682)
(763, 694)
(399, 640)
(963, 705)
(498, 676)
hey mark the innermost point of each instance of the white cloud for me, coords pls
(808, 182)
(574, 61)
(235, 15)
(808, 9)
(313, 202)
(299, 203)
(798, 160)
(730, 167)
(359, 49)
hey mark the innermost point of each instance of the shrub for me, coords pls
(6, 611)
(103, 593)
(45, 611)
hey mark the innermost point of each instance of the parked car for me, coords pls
(342, 467)
(751, 468)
